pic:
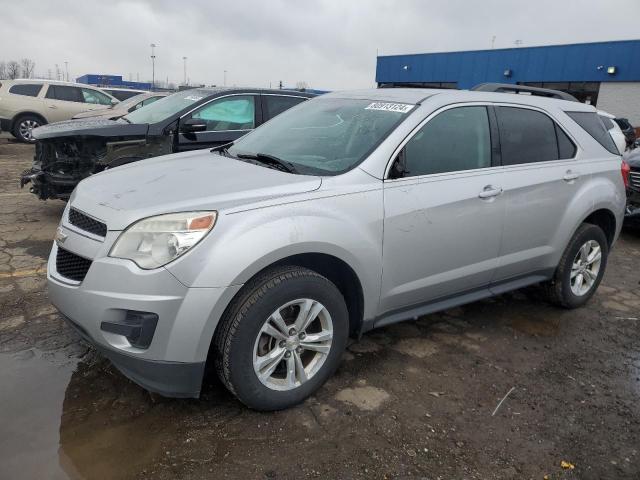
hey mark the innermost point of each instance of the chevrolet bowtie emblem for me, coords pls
(60, 237)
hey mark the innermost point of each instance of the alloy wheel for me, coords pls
(26, 127)
(585, 268)
(293, 344)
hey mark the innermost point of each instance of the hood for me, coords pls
(110, 112)
(99, 127)
(198, 180)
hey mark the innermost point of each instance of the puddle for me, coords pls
(31, 397)
(77, 420)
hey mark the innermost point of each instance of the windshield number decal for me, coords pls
(390, 107)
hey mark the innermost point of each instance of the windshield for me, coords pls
(129, 102)
(324, 136)
(165, 107)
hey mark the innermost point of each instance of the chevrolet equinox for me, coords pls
(348, 212)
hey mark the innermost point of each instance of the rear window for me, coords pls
(592, 124)
(27, 89)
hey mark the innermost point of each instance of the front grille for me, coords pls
(86, 223)
(71, 266)
(634, 178)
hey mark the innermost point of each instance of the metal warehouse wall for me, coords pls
(558, 63)
(111, 80)
(621, 99)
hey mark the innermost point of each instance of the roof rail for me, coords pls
(510, 88)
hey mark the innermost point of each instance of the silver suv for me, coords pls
(348, 212)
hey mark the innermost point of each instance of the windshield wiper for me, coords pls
(269, 160)
(125, 119)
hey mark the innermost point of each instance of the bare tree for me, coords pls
(3, 70)
(13, 70)
(27, 66)
(301, 85)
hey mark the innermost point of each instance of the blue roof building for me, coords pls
(115, 81)
(605, 74)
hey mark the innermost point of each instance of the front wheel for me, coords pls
(281, 338)
(581, 268)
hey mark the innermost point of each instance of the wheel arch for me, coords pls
(606, 220)
(335, 269)
(18, 116)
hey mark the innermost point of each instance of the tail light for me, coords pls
(625, 169)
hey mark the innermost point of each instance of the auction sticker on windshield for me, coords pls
(390, 107)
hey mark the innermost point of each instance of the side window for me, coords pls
(276, 104)
(566, 148)
(228, 113)
(26, 89)
(94, 96)
(590, 122)
(526, 136)
(456, 139)
(64, 92)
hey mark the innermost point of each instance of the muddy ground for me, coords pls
(414, 400)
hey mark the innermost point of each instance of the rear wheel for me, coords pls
(23, 127)
(281, 338)
(581, 268)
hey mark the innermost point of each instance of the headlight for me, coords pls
(156, 241)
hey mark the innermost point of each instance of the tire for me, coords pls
(23, 125)
(241, 344)
(560, 290)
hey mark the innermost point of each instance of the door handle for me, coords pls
(52, 106)
(570, 176)
(490, 191)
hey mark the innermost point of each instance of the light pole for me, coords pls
(185, 69)
(153, 67)
(224, 82)
(66, 68)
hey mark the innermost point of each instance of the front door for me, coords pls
(227, 118)
(444, 212)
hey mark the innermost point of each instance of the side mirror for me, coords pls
(193, 125)
(114, 102)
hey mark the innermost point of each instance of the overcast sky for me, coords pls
(330, 44)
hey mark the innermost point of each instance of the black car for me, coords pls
(627, 129)
(67, 152)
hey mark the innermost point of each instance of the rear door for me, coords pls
(64, 101)
(541, 176)
(274, 104)
(227, 118)
(443, 216)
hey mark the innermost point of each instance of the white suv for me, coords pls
(27, 104)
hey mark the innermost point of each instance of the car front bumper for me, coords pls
(100, 308)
